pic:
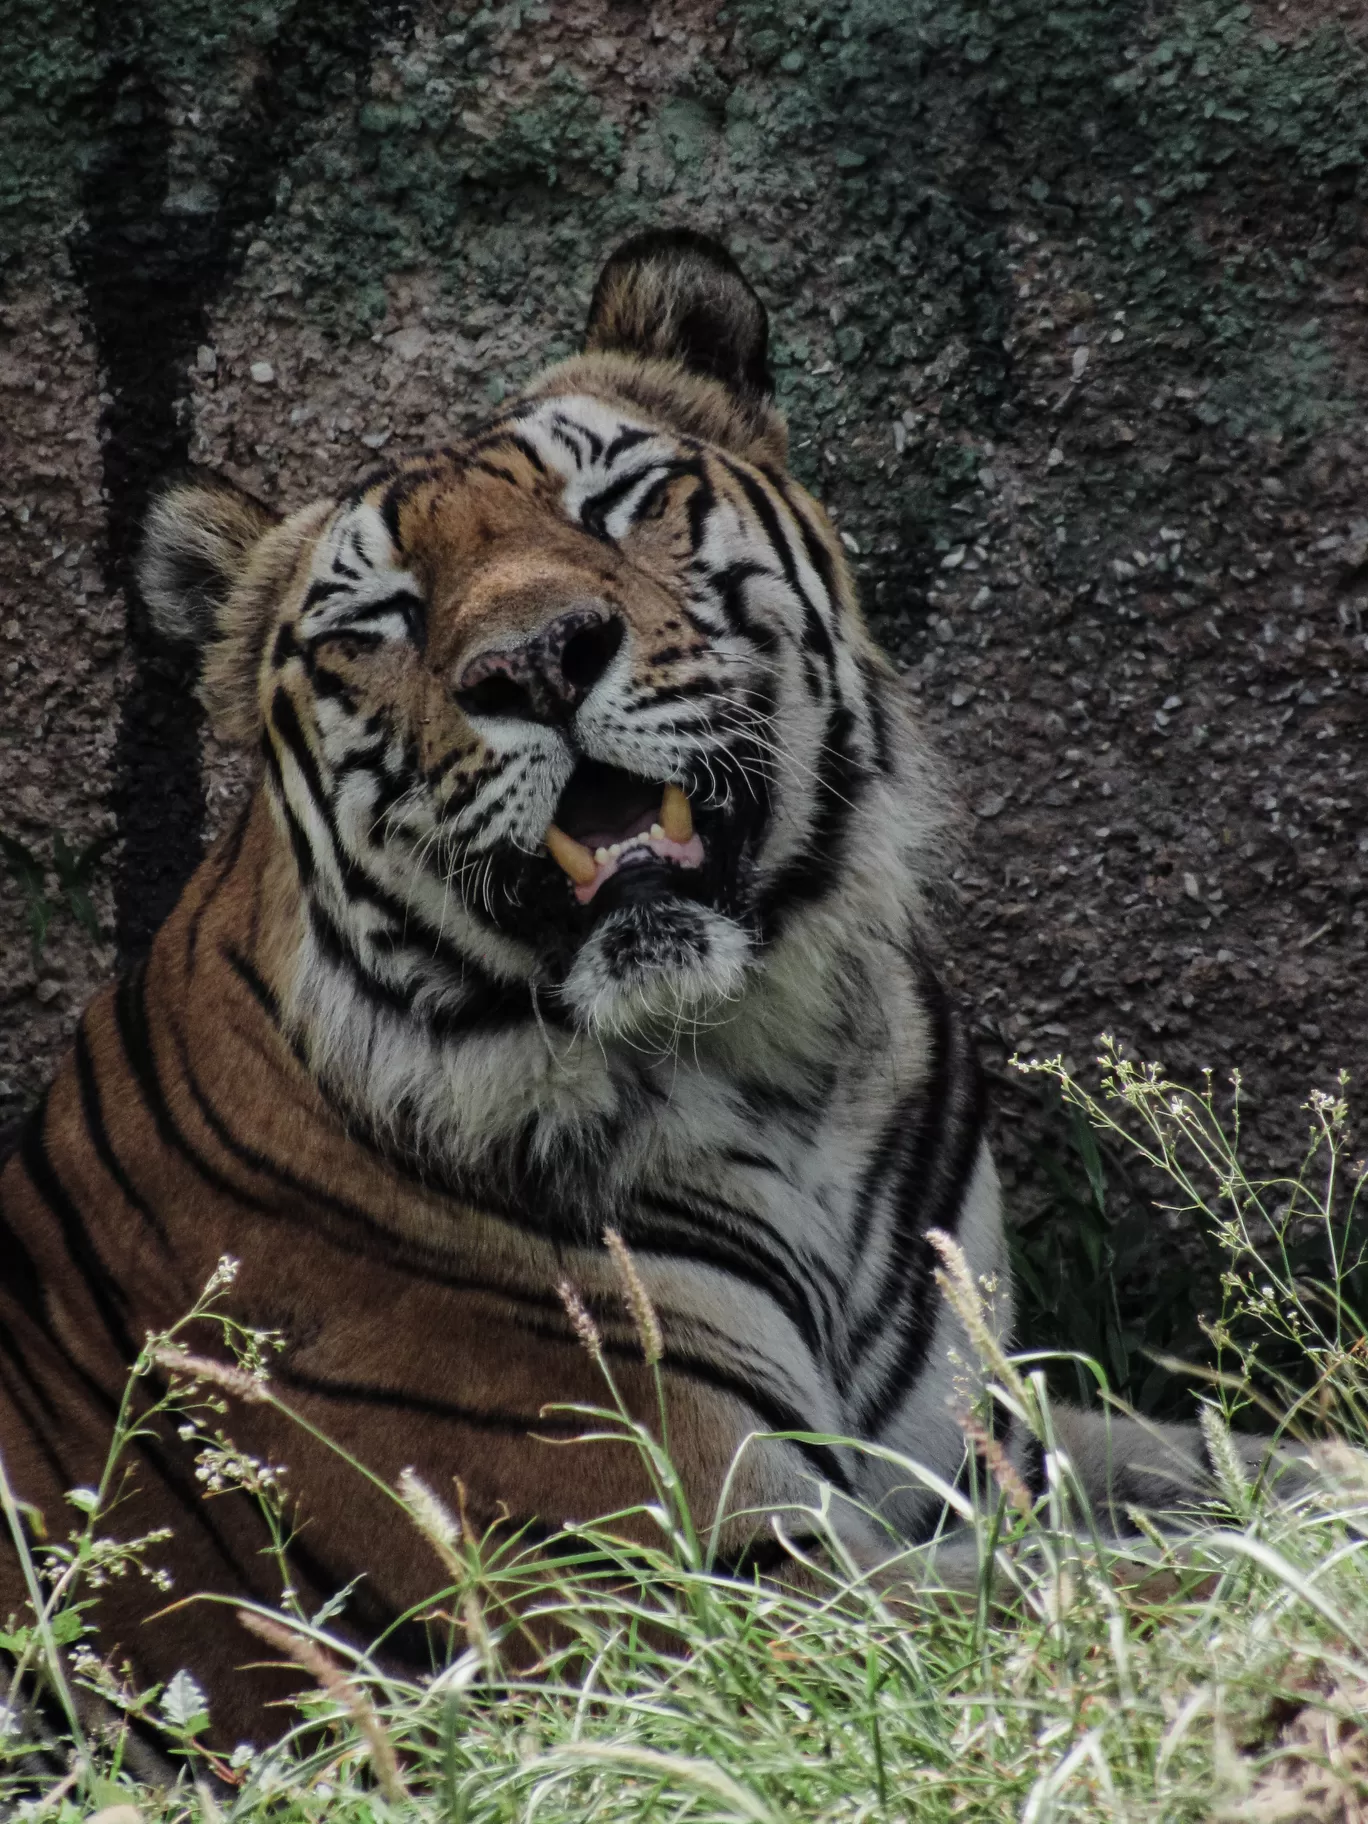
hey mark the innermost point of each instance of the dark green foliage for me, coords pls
(1100, 1270)
(28, 875)
(75, 871)
(1117, 1269)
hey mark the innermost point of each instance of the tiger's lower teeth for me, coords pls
(670, 837)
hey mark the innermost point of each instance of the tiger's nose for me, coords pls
(549, 675)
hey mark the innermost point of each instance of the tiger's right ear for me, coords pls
(213, 568)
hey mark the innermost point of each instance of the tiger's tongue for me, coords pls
(593, 857)
(604, 838)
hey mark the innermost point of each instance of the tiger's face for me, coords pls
(580, 708)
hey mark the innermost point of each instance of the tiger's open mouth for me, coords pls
(609, 820)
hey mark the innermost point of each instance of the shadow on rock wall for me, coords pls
(1069, 311)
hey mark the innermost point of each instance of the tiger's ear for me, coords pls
(673, 295)
(197, 545)
(213, 568)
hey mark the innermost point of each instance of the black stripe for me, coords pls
(383, 471)
(560, 436)
(526, 448)
(374, 1242)
(321, 591)
(21, 1277)
(22, 1281)
(497, 470)
(39, 1425)
(818, 552)
(767, 1403)
(305, 866)
(729, 584)
(626, 439)
(815, 870)
(928, 1194)
(700, 507)
(488, 1001)
(254, 983)
(486, 1004)
(368, 1393)
(906, 1153)
(131, 1018)
(696, 1233)
(107, 1296)
(225, 860)
(98, 1133)
(286, 647)
(592, 438)
(878, 716)
(286, 723)
(594, 512)
(370, 758)
(402, 489)
(815, 634)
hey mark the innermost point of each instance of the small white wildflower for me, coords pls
(223, 1275)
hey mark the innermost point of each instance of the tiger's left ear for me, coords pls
(673, 295)
(197, 544)
(213, 569)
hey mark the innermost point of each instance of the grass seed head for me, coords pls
(584, 1326)
(644, 1319)
(227, 1375)
(329, 1677)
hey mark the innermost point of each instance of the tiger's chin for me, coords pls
(657, 968)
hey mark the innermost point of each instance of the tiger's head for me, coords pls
(579, 710)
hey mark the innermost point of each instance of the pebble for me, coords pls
(47, 991)
(262, 372)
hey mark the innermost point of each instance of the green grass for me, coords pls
(1220, 1671)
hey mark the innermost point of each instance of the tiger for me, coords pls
(587, 882)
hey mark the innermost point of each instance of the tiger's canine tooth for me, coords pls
(578, 863)
(676, 819)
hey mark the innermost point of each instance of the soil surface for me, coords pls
(1069, 315)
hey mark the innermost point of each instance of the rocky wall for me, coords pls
(1069, 312)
